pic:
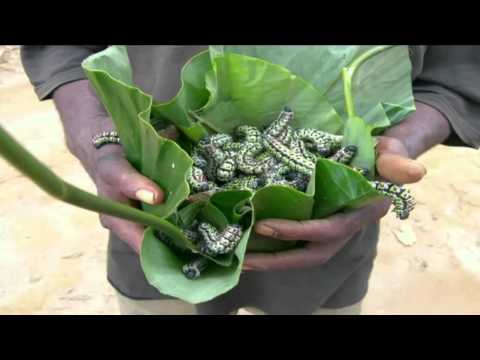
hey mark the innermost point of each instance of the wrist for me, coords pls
(424, 129)
(78, 99)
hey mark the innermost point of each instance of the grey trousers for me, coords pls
(177, 307)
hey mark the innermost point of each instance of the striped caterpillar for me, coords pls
(209, 241)
(278, 155)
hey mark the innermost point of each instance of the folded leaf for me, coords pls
(230, 86)
(252, 91)
(192, 95)
(163, 266)
(382, 86)
(339, 187)
(358, 132)
(279, 202)
(163, 270)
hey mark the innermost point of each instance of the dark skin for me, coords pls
(84, 116)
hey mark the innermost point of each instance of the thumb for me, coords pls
(119, 174)
(394, 164)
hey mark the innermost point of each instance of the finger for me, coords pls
(313, 255)
(391, 145)
(400, 170)
(127, 231)
(394, 165)
(117, 172)
(112, 193)
(335, 227)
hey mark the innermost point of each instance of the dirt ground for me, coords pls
(53, 256)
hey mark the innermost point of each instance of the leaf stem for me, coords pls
(41, 175)
(349, 72)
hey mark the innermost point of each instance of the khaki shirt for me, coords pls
(445, 77)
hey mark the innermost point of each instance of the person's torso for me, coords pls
(341, 282)
(156, 69)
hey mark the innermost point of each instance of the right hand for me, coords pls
(117, 180)
(83, 116)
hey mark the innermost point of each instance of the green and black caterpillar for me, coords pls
(276, 155)
(208, 241)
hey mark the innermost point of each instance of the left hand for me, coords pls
(326, 237)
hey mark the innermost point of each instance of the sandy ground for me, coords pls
(53, 256)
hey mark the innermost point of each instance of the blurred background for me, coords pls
(53, 255)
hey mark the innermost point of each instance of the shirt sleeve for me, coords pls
(449, 81)
(49, 67)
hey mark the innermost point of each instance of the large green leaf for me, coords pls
(251, 91)
(339, 187)
(382, 87)
(249, 85)
(193, 95)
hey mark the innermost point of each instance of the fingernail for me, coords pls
(145, 196)
(264, 230)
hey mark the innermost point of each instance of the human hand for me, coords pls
(326, 237)
(116, 179)
(83, 116)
